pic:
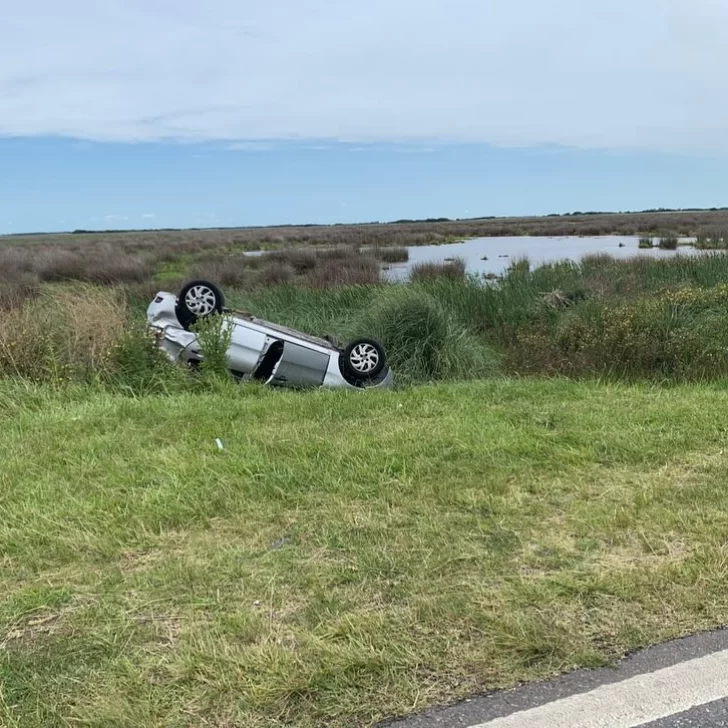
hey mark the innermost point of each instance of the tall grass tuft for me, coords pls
(343, 265)
(102, 264)
(16, 294)
(63, 334)
(214, 334)
(392, 254)
(668, 242)
(453, 270)
(228, 270)
(84, 333)
(274, 275)
(355, 270)
(424, 342)
(312, 310)
(139, 367)
(301, 260)
(712, 240)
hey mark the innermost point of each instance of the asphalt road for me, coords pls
(680, 684)
(712, 715)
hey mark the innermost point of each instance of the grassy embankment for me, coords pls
(346, 558)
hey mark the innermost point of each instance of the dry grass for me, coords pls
(319, 268)
(275, 275)
(63, 333)
(15, 294)
(24, 333)
(102, 263)
(110, 257)
(230, 270)
(301, 261)
(161, 242)
(556, 300)
(712, 239)
(93, 321)
(347, 269)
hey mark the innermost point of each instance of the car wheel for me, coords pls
(196, 300)
(362, 360)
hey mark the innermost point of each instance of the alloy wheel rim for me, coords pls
(364, 358)
(200, 300)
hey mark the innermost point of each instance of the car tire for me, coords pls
(362, 360)
(198, 299)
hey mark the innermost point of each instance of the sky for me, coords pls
(173, 113)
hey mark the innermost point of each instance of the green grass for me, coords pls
(345, 557)
(624, 319)
(173, 270)
(638, 319)
(317, 311)
(497, 310)
(349, 557)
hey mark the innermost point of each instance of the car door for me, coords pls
(301, 366)
(247, 344)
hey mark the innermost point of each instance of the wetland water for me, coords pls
(501, 252)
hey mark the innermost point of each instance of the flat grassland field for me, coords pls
(543, 490)
(345, 558)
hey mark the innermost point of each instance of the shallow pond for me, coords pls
(494, 255)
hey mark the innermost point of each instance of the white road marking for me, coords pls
(632, 702)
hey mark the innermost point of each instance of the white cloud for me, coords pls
(623, 73)
(148, 215)
(115, 218)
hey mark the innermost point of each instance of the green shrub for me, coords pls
(139, 366)
(214, 334)
(679, 334)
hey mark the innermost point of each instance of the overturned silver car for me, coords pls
(262, 351)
